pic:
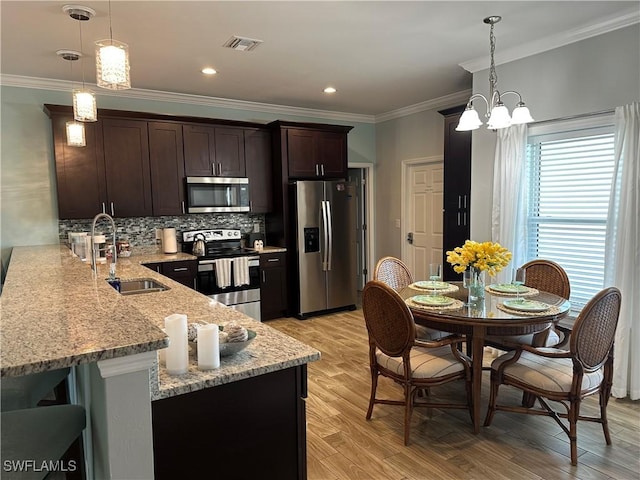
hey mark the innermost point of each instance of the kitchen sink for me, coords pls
(136, 286)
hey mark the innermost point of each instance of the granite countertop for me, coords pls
(56, 313)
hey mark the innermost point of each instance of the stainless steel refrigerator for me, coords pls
(325, 216)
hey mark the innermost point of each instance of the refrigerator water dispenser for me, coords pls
(311, 240)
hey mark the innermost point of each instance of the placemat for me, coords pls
(454, 306)
(530, 292)
(450, 289)
(552, 310)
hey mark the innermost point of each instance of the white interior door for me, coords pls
(424, 217)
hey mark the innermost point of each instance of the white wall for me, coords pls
(593, 75)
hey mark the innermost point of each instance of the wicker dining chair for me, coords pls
(565, 376)
(546, 276)
(394, 352)
(394, 272)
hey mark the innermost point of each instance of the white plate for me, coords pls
(430, 285)
(526, 305)
(432, 300)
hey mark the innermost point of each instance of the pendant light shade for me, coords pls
(75, 134)
(112, 65)
(84, 106)
(496, 111)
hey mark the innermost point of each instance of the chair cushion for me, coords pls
(425, 362)
(40, 434)
(425, 333)
(551, 374)
(552, 340)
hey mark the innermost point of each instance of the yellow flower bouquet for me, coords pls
(486, 256)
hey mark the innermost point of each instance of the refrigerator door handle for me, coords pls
(325, 240)
(329, 235)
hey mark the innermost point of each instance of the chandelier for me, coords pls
(75, 129)
(112, 62)
(497, 113)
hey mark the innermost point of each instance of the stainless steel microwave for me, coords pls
(217, 195)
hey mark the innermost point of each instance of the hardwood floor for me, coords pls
(342, 444)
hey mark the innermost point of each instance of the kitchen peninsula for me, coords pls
(56, 313)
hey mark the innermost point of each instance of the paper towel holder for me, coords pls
(169, 242)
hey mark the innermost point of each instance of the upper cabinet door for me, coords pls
(126, 158)
(167, 168)
(257, 146)
(229, 147)
(199, 151)
(79, 171)
(301, 154)
(332, 154)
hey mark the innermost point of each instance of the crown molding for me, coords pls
(154, 95)
(608, 24)
(440, 102)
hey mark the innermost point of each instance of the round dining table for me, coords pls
(483, 317)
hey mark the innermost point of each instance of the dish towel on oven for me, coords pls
(240, 271)
(223, 272)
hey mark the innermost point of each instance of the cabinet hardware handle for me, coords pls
(220, 169)
(317, 172)
(158, 268)
(264, 279)
(251, 205)
(465, 218)
(113, 213)
(458, 218)
(273, 260)
(213, 169)
(459, 201)
(183, 207)
(182, 269)
(104, 208)
(194, 284)
(465, 201)
(322, 168)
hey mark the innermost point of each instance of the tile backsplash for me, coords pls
(141, 231)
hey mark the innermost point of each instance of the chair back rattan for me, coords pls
(389, 321)
(595, 328)
(394, 272)
(547, 276)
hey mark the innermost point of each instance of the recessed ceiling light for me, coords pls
(330, 90)
(209, 71)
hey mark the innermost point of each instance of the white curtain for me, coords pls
(508, 215)
(622, 262)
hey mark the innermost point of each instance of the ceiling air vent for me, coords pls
(242, 43)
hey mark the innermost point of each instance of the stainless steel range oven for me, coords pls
(227, 272)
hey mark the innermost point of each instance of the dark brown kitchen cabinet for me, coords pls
(182, 271)
(80, 177)
(314, 154)
(214, 151)
(273, 285)
(167, 168)
(457, 187)
(127, 171)
(257, 149)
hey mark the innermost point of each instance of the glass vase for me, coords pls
(476, 284)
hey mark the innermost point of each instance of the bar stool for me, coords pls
(29, 390)
(33, 440)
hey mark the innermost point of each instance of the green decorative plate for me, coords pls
(430, 285)
(432, 300)
(508, 288)
(526, 305)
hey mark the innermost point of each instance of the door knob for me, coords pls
(410, 238)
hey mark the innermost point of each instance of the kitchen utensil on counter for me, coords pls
(198, 245)
(169, 242)
(124, 249)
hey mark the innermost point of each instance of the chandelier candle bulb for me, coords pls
(208, 347)
(177, 353)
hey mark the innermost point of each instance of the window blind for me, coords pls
(569, 177)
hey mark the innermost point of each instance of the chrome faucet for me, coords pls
(112, 267)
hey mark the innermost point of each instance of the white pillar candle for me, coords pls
(208, 347)
(177, 354)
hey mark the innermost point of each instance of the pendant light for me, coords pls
(112, 62)
(84, 100)
(497, 112)
(75, 129)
